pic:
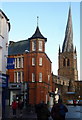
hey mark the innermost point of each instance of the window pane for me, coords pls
(15, 76)
(19, 62)
(33, 45)
(33, 61)
(22, 76)
(18, 76)
(33, 77)
(40, 45)
(40, 77)
(40, 61)
(22, 62)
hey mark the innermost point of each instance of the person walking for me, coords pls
(42, 111)
(14, 107)
(20, 106)
(59, 110)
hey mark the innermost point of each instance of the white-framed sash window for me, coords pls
(33, 77)
(33, 61)
(33, 45)
(40, 77)
(40, 61)
(40, 45)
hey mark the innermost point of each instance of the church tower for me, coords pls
(68, 56)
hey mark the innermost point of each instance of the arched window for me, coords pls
(64, 62)
(68, 62)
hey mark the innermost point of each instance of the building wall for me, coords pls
(68, 71)
(4, 30)
(38, 90)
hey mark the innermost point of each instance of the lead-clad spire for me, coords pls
(68, 41)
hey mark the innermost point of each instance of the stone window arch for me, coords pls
(68, 62)
(64, 62)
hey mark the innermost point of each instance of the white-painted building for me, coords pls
(4, 30)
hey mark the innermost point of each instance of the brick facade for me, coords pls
(35, 70)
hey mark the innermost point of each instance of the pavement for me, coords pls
(28, 114)
(74, 113)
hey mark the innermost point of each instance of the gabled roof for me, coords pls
(37, 34)
(18, 47)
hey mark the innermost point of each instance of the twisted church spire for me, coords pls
(68, 41)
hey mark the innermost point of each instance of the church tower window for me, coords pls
(64, 62)
(68, 62)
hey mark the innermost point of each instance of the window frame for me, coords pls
(40, 45)
(40, 61)
(33, 77)
(33, 61)
(40, 77)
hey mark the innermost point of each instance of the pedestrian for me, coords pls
(20, 106)
(74, 102)
(42, 111)
(58, 111)
(14, 107)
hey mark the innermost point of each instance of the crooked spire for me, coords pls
(68, 41)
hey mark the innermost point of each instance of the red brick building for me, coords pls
(32, 76)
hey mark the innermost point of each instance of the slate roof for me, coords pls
(19, 47)
(37, 34)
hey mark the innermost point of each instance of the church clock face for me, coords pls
(34, 45)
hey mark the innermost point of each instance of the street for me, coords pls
(74, 113)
